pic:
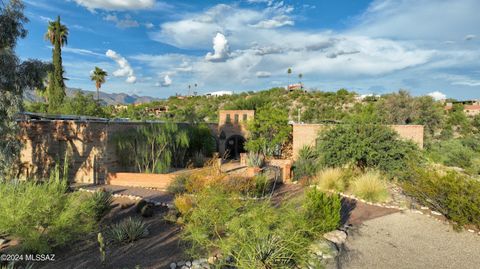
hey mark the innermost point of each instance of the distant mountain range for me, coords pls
(108, 98)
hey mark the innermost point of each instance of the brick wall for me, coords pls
(306, 134)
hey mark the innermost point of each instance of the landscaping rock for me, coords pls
(173, 265)
(338, 237)
(324, 249)
(147, 211)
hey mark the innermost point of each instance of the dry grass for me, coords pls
(370, 186)
(331, 179)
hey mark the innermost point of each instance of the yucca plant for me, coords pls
(101, 203)
(128, 230)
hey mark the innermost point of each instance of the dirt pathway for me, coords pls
(410, 240)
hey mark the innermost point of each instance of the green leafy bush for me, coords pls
(455, 195)
(368, 146)
(370, 186)
(460, 152)
(128, 230)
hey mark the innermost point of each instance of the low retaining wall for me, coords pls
(157, 181)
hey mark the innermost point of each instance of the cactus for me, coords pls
(102, 248)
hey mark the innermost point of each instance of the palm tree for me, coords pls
(52, 35)
(98, 75)
(289, 72)
(300, 76)
(57, 35)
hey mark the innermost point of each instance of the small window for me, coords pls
(227, 119)
(244, 117)
(236, 118)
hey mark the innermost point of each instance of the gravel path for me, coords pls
(409, 240)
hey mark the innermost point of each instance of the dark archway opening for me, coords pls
(235, 145)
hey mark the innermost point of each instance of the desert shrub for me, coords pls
(261, 236)
(455, 195)
(322, 210)
(101, 203)
(368, 146)
(370, 186)
(263, 185)
(207, 222)
(459, 152)
(179, 184)
(198, 159)
(255, 160)
(184, 204)
(331, 179)
(255, 234)
(152, 148)
(127, 231)
(307, 164)
(43, 215)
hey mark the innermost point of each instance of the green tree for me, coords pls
(57, 34)
(268, 131)
(367, 146)
(84, 105)
(15, 77)
(98, 75)
(397, 108)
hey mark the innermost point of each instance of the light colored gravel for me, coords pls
(409, 240)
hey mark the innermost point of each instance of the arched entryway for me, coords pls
(235, 145)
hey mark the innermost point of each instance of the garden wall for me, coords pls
(306, 134)
(91, 154)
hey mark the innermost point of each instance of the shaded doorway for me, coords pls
(235, 145)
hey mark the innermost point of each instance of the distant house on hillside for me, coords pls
(219, 93)
(470, 107)
(295, 87)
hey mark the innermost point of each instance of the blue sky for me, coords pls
(158, 48)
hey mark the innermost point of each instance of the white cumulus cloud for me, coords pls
(263, 74)
(116, 4)
(125, 68)
(167, 81)
(220, 48)
(126, 22)
(437, 95)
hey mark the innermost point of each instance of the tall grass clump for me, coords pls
(331, 179)
(370, 186)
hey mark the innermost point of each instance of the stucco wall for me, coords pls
(226, 128)
(306, 134)
(92, 155)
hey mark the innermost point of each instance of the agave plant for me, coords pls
(128, 230)
(255, 159)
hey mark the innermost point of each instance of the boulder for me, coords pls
(338, 237)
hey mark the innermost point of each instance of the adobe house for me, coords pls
(232, 131)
